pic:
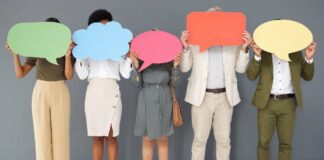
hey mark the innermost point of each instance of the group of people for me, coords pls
(212, 91)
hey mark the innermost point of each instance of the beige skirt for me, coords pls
(103, 107)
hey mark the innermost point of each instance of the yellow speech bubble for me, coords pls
(282, 37)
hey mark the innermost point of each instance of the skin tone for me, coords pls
(22, 70)
(309, 51)
(163, 142)
(111, 142)
(247, 38)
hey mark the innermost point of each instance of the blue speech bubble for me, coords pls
(102, 41)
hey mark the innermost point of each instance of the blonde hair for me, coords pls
(214, 9)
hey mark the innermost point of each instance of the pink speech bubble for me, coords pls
(156, 47)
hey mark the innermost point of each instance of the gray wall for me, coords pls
(16, 130)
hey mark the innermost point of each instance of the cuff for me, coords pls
(309, 61)
(257, 58)
(185, 51)
(128, 62)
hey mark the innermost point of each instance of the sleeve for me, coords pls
(307, 71)
(136, 78)
(82, 69)
(125, 68)
(242, 61)
(31, 61)
(186, 63)
(253, 70)
(175, 77)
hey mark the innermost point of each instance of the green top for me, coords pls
(47, 71)
(263, 69)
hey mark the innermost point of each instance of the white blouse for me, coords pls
(103, 69)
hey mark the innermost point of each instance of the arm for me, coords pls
(186, 64)
(307, 71)
(21, 70)
(242, 59)
(253, 70)
(175, 77)
(82, 68)
(68, 70)
(136, 78)
(125, 68)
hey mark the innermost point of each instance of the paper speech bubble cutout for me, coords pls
(102, 41)
(216, 29)
(156, 47)
(282, 37)
(40, 39)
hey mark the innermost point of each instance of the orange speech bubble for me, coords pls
(216, 29)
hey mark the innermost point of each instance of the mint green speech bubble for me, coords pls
(40, 39)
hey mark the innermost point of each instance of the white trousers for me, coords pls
(216, 112)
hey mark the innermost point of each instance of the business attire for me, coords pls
(277, 94)
(103, 106)
(212, 91)
(51, 109)
(154, 105)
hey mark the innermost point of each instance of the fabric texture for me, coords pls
(103, 69)
(51, 120)
(103, 107)
(215, 112)
(154, 106)
(234, 60)
(299, 68)
(47, 71)
(278, 115)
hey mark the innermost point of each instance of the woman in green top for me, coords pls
(50, 103)
(154, 106)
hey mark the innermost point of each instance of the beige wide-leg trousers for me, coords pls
(215, 112)
(51, 119)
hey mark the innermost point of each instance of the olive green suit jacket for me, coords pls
(264, 70)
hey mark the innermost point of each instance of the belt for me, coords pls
(217, 90)
(281, 96)
(155, 85)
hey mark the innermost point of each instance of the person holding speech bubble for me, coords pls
(103, 106)
(50, 102)
(212, 90)
(277, 94)
(154, 106)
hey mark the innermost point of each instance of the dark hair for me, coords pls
(99, 15)
(52, 19)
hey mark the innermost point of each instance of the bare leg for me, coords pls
(112, 146)
(97, 148)
(147, 148)
(163, 148)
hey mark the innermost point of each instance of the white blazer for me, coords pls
(233, 59)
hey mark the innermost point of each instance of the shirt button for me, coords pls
(114, 106)
(116, 96)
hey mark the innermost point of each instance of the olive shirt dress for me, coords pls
(154, 106)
